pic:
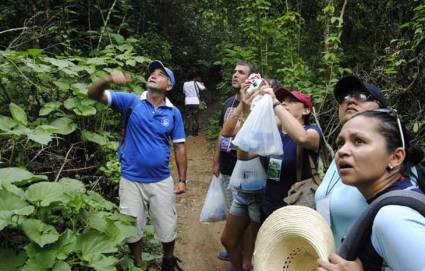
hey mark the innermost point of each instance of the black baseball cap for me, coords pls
(351, 82)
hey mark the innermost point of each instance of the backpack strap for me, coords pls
(195, 84)
(299, 166)
(361, 230)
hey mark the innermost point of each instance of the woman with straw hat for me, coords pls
(375, 156)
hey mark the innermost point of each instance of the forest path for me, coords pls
(197, 244)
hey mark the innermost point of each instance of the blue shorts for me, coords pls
(247, 204)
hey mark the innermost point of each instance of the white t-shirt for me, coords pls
(189, 90)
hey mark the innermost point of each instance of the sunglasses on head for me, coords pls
(355, 95)
(392, 112)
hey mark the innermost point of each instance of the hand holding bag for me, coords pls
(259, 134)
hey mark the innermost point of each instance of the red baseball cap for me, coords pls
(301, 97)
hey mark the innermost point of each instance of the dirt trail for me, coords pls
(198, 244)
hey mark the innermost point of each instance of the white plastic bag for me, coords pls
(260, 134)
(214, 208)
(248, 175)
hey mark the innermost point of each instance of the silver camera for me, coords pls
(255, 85)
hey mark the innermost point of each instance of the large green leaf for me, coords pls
(5, 219)
(70, 185)
(6, 123)
(94, 137)
(40, 136)
(79, 89)
(61, 266)
(96, 61)
(123, 231)
(10, 260)
(18, 114)
(48, 128)
(71, 102)
(58, 63)
(39, 232)
(40, 258)
(67, 243)
(95, 200)
(10, 201)
(45, 193)
(18, 176)
(80, 106)
(64, 86)
(103, 263)
(95, 243)
(85, 110)
(49, 107)
(64, 125)
(97, 221)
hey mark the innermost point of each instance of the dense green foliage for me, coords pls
(52, 50)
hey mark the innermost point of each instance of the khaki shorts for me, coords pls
(156, 199)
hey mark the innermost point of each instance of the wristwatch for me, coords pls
(183, 181)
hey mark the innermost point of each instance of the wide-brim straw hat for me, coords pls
(293, 238)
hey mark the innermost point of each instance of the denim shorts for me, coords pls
(247, 204)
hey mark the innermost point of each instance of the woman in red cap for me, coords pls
(297, 133)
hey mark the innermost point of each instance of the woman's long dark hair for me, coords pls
(388, 127)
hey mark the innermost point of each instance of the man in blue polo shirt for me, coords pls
(146, 185)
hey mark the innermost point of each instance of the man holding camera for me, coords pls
(146, 185)
(224, 159)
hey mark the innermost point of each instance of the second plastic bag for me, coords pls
(260, 134)
(214, 208)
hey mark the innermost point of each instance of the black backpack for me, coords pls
(361, 230)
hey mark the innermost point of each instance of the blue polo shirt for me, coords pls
(145, 154)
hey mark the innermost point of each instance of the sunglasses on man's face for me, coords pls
(358, 96)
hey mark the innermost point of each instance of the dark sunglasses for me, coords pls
(355, 95)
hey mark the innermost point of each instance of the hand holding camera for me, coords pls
(256, 83)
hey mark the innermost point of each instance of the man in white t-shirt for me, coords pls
(191, 90)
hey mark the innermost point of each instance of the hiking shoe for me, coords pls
(223, 255)
(171, 264)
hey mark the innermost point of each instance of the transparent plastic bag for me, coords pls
(214, 208)
(260, 134)
(248, 175)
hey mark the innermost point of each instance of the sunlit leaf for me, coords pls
(61, 266)
(96, 61)
(64, 86)
(40, 232)
(64, 125)
(58, 63)
(49, 107)
(45, 193)
(41, 257)
(35, 52)
(85, 110)
(70, 103)
(80, 89)
(70, 185)
(18, 114)
(6, 123)
(103, 263)
(95, 243)
(18, 176)
(94, 137)
(40, 136)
